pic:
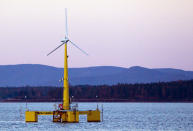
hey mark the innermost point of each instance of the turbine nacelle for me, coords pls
(65, 41)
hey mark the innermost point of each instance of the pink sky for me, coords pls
(149, 33)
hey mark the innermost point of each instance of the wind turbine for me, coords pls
(65, 42)
(66, 113)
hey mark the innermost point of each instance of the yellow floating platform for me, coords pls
(68, 116)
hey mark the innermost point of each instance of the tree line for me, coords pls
(176, 91)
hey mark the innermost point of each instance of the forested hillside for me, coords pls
(177, 91)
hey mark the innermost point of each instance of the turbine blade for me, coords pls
(78, 48)
(55, 49)
(66, 23)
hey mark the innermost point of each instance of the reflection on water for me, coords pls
(117, 116)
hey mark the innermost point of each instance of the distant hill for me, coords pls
(42, 75)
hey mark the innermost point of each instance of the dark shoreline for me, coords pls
(177, 91)
(101, 100)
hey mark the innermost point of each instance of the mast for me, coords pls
(66, 105)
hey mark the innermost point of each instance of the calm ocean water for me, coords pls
(117, 116)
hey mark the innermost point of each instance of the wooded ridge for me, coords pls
(177, 91)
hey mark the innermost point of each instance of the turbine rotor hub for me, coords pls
(65, 41)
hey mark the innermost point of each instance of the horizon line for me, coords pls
(96, 66)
